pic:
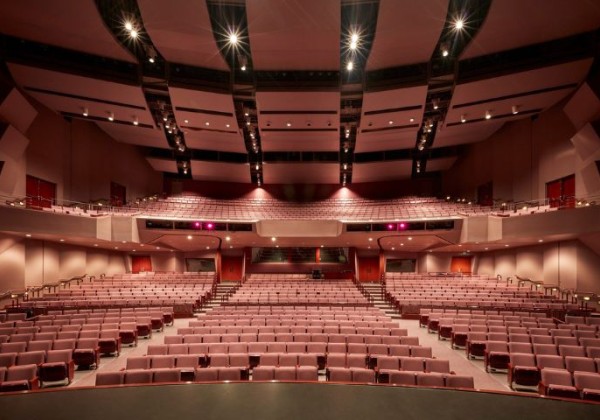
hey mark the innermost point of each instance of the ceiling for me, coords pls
(296, 114)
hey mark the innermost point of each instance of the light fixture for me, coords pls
(411, 120)
(390, 122)
(273, 239)
(243, 62)
(421, 147)
(410, 238)
(28, 235)
(463, 118)
(459, 24)
(488, 115)
(111, 116)
(135, 121)
(133, 33)
(345, 166)
(186, 121)
(436, 103)
(288, 124)
(62, 240)
(233, 38)
(444, 50)
(349, 66)
(228, 238)
(370, 239)
(85, 112)
(227, 125)
(515, 109)
(189, 237)
(354, 41)
(151, 53)
(129, 26)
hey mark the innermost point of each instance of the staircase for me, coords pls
(223, 291)
(377, 296)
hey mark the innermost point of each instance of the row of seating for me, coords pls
(327, 327)
(524, 368)
(252, 338)
(401, 349)
(564, 384)
(497, 353)
(109, 341)
(31, 370)
(128, 332)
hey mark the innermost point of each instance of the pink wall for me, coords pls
(82, 160)
(30, 262)
(570, 264)
(520, 159)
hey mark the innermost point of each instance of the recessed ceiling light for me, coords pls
(116, 247)
(207, 247)
(390, 122)
(488, 115)
(463, 118)
(111, 116)
(134, 250)
(189, 237)
(135, 121)
(207, 123)
(228, 238)
(486, 248)
(95, 244)
(540, 240)
(62, 240)
(393, 249)
(289, 124)
(322, 246)
(515, 109)
(412, 120)
(186, 121)
(157, 247)
(507, 245)
(273, 239)
(370, 239)
(410, 238)
(349, 66)
(28, 235)
(86, 112)
(233, 38)
(401, 244)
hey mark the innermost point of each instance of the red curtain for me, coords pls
(140, 263)
(461, 265)
(561, 192)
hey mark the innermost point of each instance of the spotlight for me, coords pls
(129, 26)
(349, 66)
(488, 115)
(402, 226)
(233, 38)
(463, 118)
(197, 224)
(111, 116)
(136, 121)
(288, 124)
(86, 112)
(134, 34)
(209, 226)
(390, 122)
(151, 53)
(459, 24)
(390, 227)
(436, 103)
(515, 109)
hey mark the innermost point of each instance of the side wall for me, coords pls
(82, 160)
(520, 159)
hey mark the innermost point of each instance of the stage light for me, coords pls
(402, 226)
(391, 227)
(197, 224)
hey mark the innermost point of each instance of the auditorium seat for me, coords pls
(138, 376)
(57, 368)
(588, 384)
(166, 375)
(557, 383)
(20, 378)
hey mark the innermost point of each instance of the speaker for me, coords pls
(583, 106)
(17, 111)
